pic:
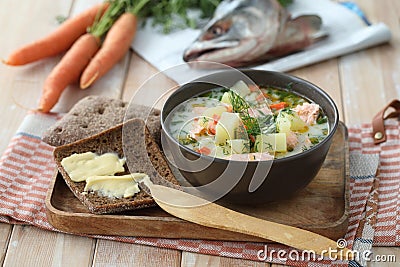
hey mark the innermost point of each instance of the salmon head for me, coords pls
(243, 32)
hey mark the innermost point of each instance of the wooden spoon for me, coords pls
(212, 215)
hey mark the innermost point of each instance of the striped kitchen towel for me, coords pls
(27, 168)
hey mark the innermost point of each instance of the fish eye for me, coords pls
(217, 30)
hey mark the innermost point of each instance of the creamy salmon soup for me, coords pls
(248, 123)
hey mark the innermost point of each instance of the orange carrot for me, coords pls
(68, 70)
(59, 40)
(116, 43)
(279, 105)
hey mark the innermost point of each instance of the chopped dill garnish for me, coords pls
(287, 111)
(187, 140)
(321, 118)
(314, 140)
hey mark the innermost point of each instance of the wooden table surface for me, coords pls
(360, 83)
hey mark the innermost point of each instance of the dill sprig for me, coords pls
(239, 105)
(254, 126)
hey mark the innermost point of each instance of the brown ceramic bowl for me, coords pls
(286, 175)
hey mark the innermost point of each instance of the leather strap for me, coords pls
(378, 126)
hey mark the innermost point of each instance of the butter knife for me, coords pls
(213, 215)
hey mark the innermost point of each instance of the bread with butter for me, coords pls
(145, 156)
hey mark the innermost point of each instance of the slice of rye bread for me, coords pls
(94, 114)
(144, 153)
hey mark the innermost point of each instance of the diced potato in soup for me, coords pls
(226, 99)
(241, 89)
(241, 124)
(227, 127)
(283, 124)
(239, 146)
(290, 118)
(271, 142)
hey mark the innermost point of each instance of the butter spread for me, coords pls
(115, 186)
(81, 166)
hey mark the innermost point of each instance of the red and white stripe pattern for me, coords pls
(26, 171)
(27, 166)
(387, 231)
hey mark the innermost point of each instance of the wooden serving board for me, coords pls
(322, 207)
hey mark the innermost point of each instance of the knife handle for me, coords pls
(216, 216)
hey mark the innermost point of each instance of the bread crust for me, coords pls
(94, 114)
